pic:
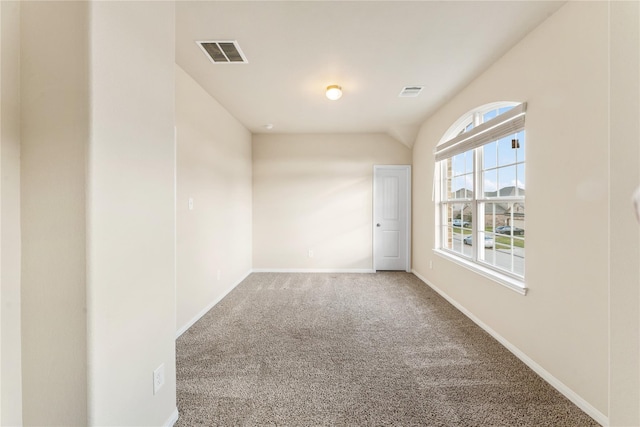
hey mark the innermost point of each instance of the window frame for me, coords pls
(457, 142)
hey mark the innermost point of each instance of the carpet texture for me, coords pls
(353, 349)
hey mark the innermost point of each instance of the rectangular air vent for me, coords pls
(223, 52)
(410, 91)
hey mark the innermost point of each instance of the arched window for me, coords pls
(480, 195)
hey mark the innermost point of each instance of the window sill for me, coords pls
(502, 279)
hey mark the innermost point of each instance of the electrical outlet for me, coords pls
(310, 253)
(218, 274)
(158, 378)
(430, 264)
(190, 203)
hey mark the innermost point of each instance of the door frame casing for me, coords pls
(407, 168)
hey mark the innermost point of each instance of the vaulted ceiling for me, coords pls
(371, 48)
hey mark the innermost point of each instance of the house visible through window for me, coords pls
(480, 167)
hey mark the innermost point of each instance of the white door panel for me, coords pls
(390, 244)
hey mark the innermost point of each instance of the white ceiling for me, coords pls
(371, 48)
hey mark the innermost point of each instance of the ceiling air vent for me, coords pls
(223, 52)
(410, 91)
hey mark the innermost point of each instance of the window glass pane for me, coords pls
(518, 219)
(467, 218)
(507, 181)
(461, 227)
(458, 164)
(459, 187)
(457, 211)
(469, 186)
(521, 179)
(503, 213)
(467, 245)
(485, 248)
(454, 235)
(447, 231)
(507, 222)
(518, 256)
(506, 152)
(510, 255)
(489, 222)
(503, 252)
(469, 161)
(447, 214)
(448, 194)
(447, 242)
(463, 163)
(456, 243)
(489, 152)
(487, 253)
(490, 182)
(447, 236)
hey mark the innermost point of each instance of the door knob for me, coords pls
(377, 225)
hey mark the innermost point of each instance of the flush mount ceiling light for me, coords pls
(334, 92)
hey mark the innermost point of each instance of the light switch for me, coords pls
(190, 203)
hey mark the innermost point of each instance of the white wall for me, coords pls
(314, 192)
(54, 133)
(624, 254)
(97, 212)
(11, 345)
(214, 169)
(130, 213)
(561, 71)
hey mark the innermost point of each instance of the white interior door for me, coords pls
(392, 217)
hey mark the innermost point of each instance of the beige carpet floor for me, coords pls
(353, 350)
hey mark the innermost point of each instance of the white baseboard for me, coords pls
(172, 419)
(313, 270)
(546, 375)
(204, 311)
